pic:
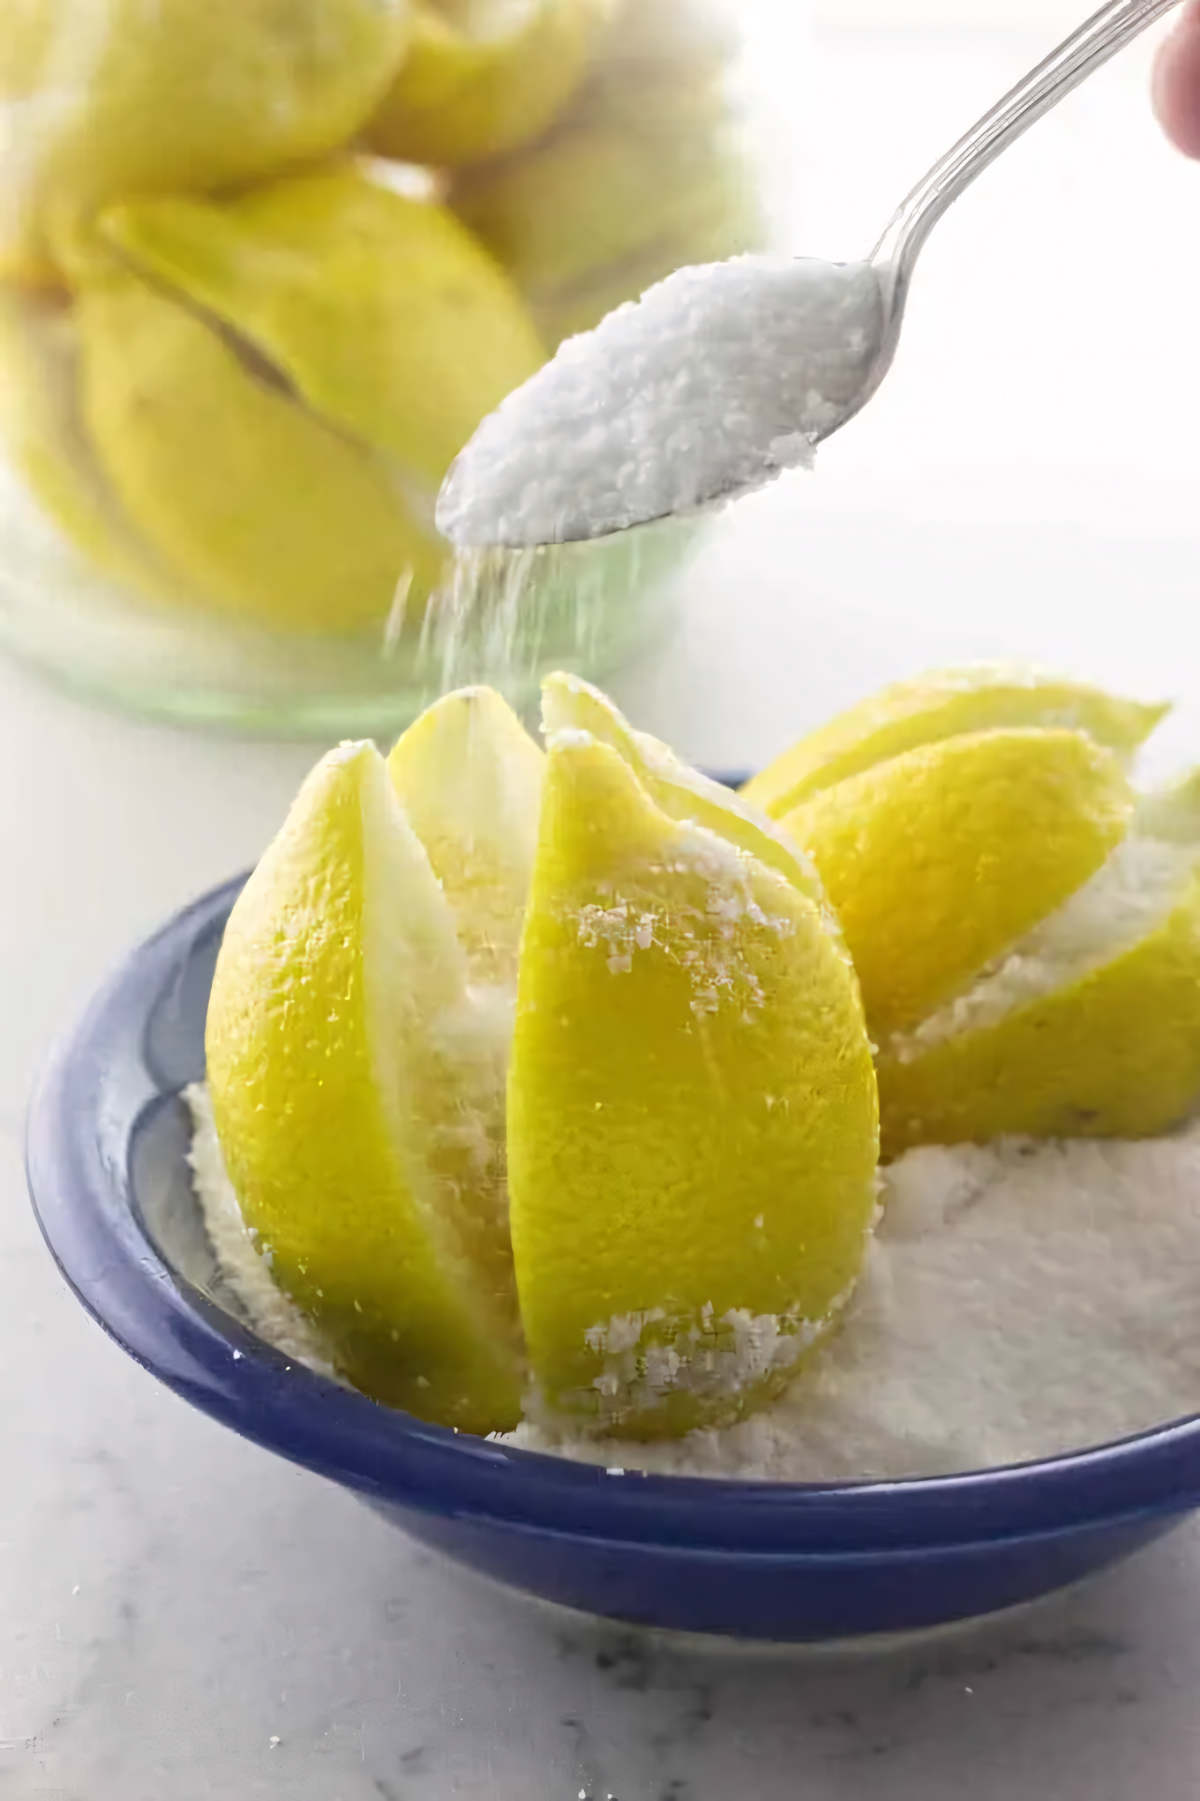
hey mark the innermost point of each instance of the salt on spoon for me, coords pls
(727, 373)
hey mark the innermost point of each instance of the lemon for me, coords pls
(271, 514)
(380, 312)
(647, 170)
(1089, 1025)
(47, 443)
(273, 387)
(569, 703)
(938, 705)
(482, 77)
(470, 778)
(939, 858)
(126, 98)
(691, 1108)
(357, 1090)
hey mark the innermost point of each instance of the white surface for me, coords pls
(185, 1617)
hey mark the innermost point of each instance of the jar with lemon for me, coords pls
(264, 268)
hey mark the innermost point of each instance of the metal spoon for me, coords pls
(475, 506)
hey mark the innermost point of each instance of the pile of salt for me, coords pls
(715, 380)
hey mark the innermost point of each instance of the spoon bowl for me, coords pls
(670, 405)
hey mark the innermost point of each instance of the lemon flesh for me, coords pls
(380, 311)
(1089, 1026)
(939, 705)
(936, 860)
(359, 1103)
(691, 1112)
(268, 512)
(570, 704)
(482, 77)
(123, 98)
(469, 777)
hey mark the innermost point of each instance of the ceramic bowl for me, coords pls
(107, 1140)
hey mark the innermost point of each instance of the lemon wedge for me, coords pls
(1086, 1026)
(273, 386)
(691, 1102)
(470, 778)
(121, 98)
(48, 444)
(357, 1089)
(646, 170)
(272, 515)
(937, 859)
(942, 704)
(378, 311)
(482, 77)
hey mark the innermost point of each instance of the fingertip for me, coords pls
(1176, 83)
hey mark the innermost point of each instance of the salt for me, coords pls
(714, 381)
(1019, 1300)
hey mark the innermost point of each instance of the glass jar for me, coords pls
(263, 269)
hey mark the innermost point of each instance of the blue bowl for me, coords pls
(107, 1139)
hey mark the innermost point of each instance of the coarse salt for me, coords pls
(1018, 1300)
(714, 381)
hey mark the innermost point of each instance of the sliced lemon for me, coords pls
(358, 1098)
(943, 704)
(483, 77)
(378, 311)
(1089, 1025)
(267, 511)
(470, 778)
(122, 98)
(691, 1110)
(648, 169)
(938, 859)
(569, 703)
(49, 448)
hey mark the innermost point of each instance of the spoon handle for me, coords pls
(1088, 46)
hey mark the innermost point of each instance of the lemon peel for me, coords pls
(358, 1099)
(1087, 1026)
(265, 510)
(647, 170)
(121, 98)
(48, 444)
(943, 704)
(691, 1110)
(938, 858)
(380, 311)
(482, 77)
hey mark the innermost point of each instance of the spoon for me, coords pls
(724, 375)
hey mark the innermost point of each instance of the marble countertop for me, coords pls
(186, 1616)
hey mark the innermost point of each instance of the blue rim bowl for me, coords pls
(106, 1149)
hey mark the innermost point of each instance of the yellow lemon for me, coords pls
(378, 310)
(125, 98)
(273, 387)
(482, 77)
(937, 859)
(48, 444)
(943, 704)
(569, 704)
(470, 778)
(357, 1086)
(268, 512)
(691, 1107)
(648, 170)
(1088, 1025)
